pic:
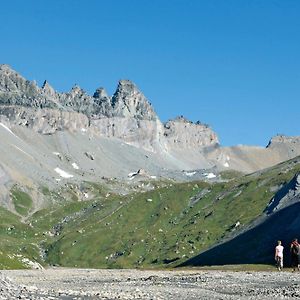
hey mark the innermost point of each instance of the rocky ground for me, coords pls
(134, 284)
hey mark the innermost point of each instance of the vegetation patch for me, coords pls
(21, 201)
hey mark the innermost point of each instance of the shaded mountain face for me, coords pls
(286, 196)
(255, 245)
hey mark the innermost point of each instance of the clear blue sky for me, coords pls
(232, 64)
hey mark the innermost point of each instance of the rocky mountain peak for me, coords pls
(48, 89)
(100, 93)
(7, 72)
(5, 68)
(102, 102)
(128, 101)
(127, 86)
(181, 119)
(16, 90)
(76, 89)
(10, 80)
(77, 100)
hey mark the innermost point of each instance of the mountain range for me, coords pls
(41, 121)
(79, 171)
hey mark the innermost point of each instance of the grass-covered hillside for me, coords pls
(159, 228)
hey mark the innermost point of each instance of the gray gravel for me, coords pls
(135, 284)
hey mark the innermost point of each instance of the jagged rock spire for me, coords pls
(100, 93)
(128, 101)
(4, 67)
(16, 90)
(48, 89)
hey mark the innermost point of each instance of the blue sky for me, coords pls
(232, 64)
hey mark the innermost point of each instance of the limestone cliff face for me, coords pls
(44, 121)
(287, 146)
(283, 139)
(140, 133)
(181, 133)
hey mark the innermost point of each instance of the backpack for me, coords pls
(296, 249)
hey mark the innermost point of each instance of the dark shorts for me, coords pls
(295, 260)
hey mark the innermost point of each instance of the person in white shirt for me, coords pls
(279, 256)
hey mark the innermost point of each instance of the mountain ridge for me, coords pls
(128, 117)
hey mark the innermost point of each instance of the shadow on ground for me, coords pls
(255, 246)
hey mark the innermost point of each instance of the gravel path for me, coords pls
(134, 284)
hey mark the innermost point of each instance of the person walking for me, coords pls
(295, 253)
(279, 255)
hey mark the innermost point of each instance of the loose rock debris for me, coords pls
(60, 283)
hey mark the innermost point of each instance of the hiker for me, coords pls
(279, 256)
(295, 253)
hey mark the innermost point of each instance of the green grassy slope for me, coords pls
(21, 201)
(166, 226)
(17, 241)
(158, 228)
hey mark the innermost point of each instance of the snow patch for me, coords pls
(75, 166)
(56, 153)
(63, 173)
(210, 175)
(83, 130)
(226, 164)
(190, 173)
(132, 174)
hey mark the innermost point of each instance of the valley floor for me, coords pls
(136, 284)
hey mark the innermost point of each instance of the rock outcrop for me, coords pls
(285, 196)
(285, 145)
(183, 133)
